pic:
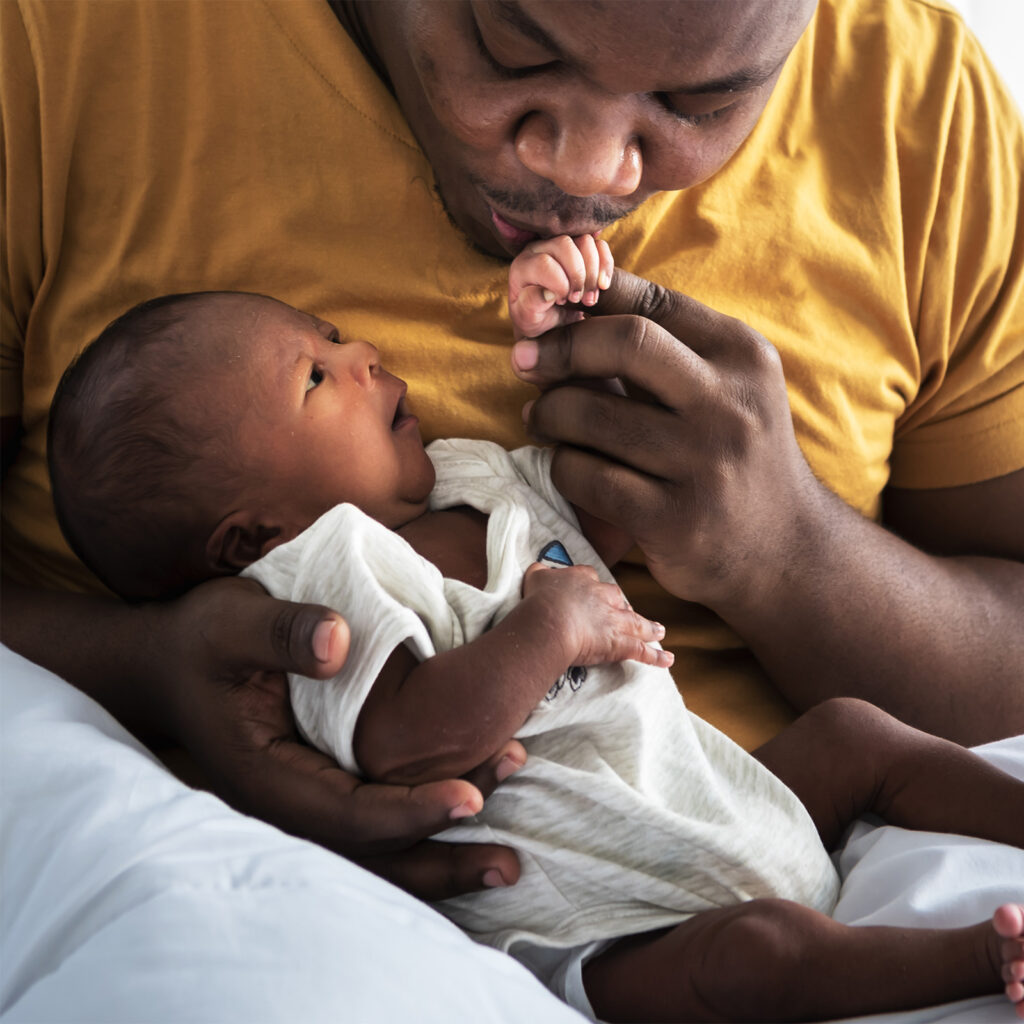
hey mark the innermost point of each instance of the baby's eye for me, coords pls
(316, 376)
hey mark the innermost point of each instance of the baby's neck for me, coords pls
(454, 539)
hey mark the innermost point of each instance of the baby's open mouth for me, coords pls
(402, 414)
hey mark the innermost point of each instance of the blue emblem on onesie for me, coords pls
(554, 556)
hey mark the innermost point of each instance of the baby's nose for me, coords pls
(363, 360)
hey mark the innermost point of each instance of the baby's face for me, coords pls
(322, 421)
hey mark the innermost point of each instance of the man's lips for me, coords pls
(511, 233)
(517, 234)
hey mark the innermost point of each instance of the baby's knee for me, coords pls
(756, 958)
(849, 720)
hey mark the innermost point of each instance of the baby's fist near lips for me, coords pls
(552, 276)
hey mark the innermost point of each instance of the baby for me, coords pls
(666, 873)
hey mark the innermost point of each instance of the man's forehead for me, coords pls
(681, 45)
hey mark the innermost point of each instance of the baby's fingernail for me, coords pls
(659, 629)
(604, 279)
(493, 879)
(547, 296)
(464, 810)
(526, 410)
(575, 296)
(506, 767)
(322, 637)
(525, 354)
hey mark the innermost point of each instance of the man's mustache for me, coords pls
(549, 199)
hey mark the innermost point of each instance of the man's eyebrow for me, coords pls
(737, 81)
(514, 16)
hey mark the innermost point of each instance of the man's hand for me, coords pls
(595, 618)
(705, 473)
(552, 276)
(231, 710)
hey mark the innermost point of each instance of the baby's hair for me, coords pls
(128, 442)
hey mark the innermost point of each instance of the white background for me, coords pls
(999, 24)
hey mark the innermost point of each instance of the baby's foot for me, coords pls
(1008, 921)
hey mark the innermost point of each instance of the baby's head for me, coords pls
(199, 431)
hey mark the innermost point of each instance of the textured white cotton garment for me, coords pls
(631, 814)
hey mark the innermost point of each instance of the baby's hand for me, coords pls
(594, 618)
(549, 273)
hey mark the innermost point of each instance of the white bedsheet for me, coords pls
(128, 897)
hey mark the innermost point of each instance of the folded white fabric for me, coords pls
(127, 896)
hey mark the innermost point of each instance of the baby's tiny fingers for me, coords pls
(658, 657)
(588, 250)
(638, 625)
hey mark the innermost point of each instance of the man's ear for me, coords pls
(238, 540)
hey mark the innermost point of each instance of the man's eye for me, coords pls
(694, 120)
(316, 376)
(503, 70)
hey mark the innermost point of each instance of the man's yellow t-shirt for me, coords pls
(872, 227)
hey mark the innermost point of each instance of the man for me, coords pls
(830, 509)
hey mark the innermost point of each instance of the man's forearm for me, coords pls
(937, 641)
(99, 644)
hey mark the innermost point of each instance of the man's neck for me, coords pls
(352, 17)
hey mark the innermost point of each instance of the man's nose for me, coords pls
(586, 149)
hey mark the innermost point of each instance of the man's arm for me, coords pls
(437, 718)
(713, 485)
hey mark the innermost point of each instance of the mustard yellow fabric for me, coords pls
(871, 227)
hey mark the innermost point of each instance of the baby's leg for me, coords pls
(775, 960)
(1008, 922)
(845, 757)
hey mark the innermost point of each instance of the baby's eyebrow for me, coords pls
(291, 371)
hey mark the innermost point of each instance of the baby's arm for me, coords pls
(543, 278)
(441, 717)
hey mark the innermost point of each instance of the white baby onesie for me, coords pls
(631, 814)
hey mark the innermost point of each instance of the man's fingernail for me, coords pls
(493, 879)
(322, 639)
(464, 810)
(506, 767)
(526, 410)
(525, 354)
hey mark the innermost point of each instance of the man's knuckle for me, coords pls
(655, 302)
(285, 632)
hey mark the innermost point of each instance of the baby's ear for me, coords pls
(237, 541)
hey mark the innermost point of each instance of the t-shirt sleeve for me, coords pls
(966, 424)
(20, 214)
(387, 593)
